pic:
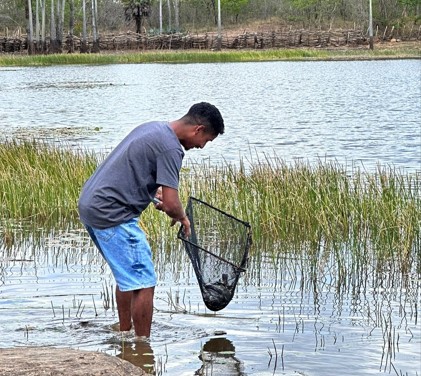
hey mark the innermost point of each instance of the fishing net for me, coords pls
(218, 248)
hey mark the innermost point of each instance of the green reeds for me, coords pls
(187, 56)
(318, 203)
(40, 183)
(321, 204)
(204, 56)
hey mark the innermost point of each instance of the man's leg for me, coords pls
(123, 299)
(142, 311)
(124, 304)
(133, 271)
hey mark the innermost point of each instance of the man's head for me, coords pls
(204, 123)
(206, 114)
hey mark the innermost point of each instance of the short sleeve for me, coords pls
(168, 168)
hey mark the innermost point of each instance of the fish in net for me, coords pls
(218, 248)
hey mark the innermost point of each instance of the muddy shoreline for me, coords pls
(49, 361)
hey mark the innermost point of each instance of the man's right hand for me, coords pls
(185, 223)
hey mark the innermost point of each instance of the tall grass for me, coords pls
(320, 204)
(300, 201)
(203, 56)
(40, 183)
(158, 57)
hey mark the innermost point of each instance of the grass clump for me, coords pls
(186, 56)
(205, 56)
(40, 183)
(319, 204)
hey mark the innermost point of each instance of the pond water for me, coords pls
(292, 314)
(352, 112)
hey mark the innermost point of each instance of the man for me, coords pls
(147, 159)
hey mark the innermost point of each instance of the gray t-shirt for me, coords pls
(125, 183)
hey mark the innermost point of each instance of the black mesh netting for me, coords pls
(218, 249)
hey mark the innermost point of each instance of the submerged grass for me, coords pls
(293, 203)
(207, 56)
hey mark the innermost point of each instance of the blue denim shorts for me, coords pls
(128, 254)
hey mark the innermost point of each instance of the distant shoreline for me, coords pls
(381, 51)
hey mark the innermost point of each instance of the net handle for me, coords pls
(211, 253)
(220, 211)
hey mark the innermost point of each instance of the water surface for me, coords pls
(292, 314)
(353, 111)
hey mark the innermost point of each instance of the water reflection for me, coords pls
(218, 358)
(140, 354)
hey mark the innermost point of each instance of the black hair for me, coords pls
(208, 115)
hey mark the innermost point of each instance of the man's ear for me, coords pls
(199, 128)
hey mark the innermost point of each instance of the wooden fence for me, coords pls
(286, 38)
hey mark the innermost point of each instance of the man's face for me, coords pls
(198, 138)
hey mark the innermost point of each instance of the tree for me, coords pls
(43, 47)
(84, 43)
(53, 30)
(95, 45)
(71, 24)
(30, 33)
(316, 12)
(37, 26)
(177, 15)
(65, 16)
(139, 11)
(234, 7)
(60, 23)
(169, 15)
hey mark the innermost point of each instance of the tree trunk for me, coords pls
(59, 31)
(177, 15)
(30, 38)
(160, 16)
(63, 7)
(95, 46)
(71, 47)
(53, 35)
(169, 16)
(43, 44)
(215, 13)
(84, 45)
(138, 19)
(37, 38)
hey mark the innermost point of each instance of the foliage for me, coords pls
(201, 14)
(323, 12)
(137, 10)
(234, 7)
(40, 184)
